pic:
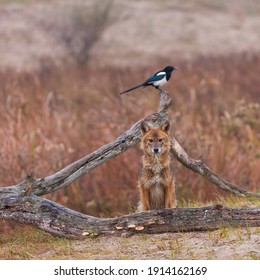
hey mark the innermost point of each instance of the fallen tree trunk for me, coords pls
(61, 221)
(22, 203)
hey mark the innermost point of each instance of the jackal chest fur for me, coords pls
(155, 175)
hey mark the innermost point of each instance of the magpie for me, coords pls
(160, 78)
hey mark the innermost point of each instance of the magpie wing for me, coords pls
(157, 77)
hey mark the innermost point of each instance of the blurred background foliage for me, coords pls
(60, 96)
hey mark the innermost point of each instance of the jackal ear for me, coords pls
(166, 127)
(144, 127)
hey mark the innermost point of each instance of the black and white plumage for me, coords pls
(159, 79)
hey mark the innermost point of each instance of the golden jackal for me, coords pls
(156, 182)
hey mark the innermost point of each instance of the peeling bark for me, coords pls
(61, 221)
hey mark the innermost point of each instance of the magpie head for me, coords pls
(169, 69)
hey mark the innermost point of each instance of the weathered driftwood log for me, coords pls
(22, 203)
(61, 221)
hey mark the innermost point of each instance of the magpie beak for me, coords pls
(159, 79)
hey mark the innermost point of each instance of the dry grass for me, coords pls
(51, 118)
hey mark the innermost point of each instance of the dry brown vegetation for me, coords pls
(54, 116)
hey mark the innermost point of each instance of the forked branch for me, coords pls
(128, 139)
(22, 203)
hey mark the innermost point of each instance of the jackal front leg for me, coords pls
(144, 198)
(170, 200)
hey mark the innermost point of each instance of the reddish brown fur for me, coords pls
(156, 182)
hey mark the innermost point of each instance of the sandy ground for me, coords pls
(212, 245)
(222, 244)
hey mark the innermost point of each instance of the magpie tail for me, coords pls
(133, 88)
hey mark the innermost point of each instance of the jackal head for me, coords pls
(155, 141)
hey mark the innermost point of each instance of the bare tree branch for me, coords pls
(73, 171)
(199, 167)
(128, 139)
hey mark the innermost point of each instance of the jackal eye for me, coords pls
(150, 140)
(160, 140)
